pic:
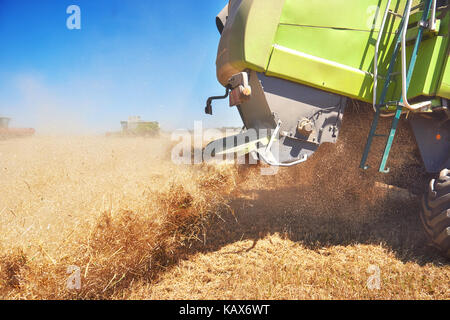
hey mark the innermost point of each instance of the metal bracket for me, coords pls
(424, 24)
(274, 135)
(208, 109)
(268, 157)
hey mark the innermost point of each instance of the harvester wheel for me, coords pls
(436, 212)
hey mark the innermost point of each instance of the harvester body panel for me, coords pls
(322, 52)
(326, 44)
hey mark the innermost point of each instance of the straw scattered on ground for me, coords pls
(137, 226)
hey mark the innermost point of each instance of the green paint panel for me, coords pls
(343, 33)
(352, 48)
(260, 31)
(248, 37)
(326, 75)
(348, 48)
(428, 72)
(444, 86)
(328, 44)
(356, 14)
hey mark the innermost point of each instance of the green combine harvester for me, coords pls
(136, 127)
(291, 65)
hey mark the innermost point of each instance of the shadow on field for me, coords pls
(393, 223)
(328, 201)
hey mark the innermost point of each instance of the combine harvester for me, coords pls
(290, 65)
(7, 133)
(135, 127)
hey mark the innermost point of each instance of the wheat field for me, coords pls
(137, 226)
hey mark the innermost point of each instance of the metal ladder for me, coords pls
(406, 80)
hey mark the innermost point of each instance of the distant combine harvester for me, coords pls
(137, 127)
(6, 132)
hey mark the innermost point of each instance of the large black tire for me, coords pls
(436, 212)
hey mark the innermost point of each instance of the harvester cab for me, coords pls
(289, 67)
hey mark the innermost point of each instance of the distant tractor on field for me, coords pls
(137, 127)
(6, 132)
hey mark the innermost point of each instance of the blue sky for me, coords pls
(150, 58)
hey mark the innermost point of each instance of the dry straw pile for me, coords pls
(107, 206)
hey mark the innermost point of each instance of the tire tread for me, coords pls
(435, 215)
